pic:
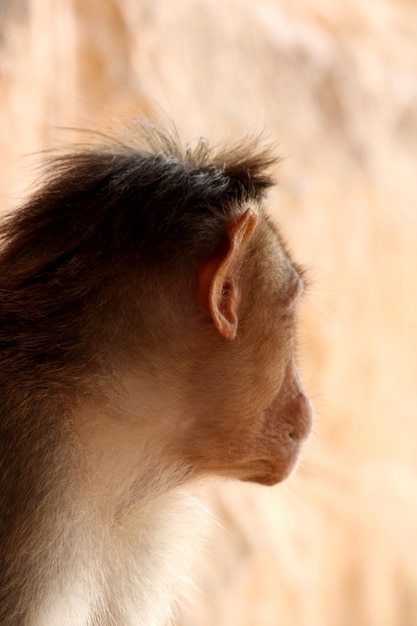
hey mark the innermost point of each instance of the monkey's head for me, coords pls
(253, 407)
(151, 280)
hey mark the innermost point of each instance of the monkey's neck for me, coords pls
(125, 570)
(136, 519)
(114, 538)
(125, 575)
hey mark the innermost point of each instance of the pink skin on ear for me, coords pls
(218, 280)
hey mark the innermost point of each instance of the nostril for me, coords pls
(292, 435)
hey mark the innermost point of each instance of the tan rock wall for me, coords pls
(334, 85)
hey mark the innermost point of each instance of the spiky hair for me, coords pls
(151, 193)
(106, 213)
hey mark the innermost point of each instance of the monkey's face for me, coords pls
(252, 410)
(271, 434)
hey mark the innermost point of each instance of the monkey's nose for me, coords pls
(300, 411)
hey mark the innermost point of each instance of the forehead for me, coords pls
(288, 273)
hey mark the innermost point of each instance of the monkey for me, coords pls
(148, 307)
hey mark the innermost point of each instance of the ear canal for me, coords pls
(223, 277)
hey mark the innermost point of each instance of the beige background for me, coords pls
(334, 86)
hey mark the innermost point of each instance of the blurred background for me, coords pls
(333, 85)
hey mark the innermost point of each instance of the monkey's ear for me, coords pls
(218, 281)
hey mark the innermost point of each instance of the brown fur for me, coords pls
(147, 319)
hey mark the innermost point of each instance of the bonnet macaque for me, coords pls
(147, 315)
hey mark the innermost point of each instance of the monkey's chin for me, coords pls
(268, 479)
(270, 472)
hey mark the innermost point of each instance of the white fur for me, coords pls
(131, 574)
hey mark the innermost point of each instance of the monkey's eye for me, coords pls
(294, 291)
